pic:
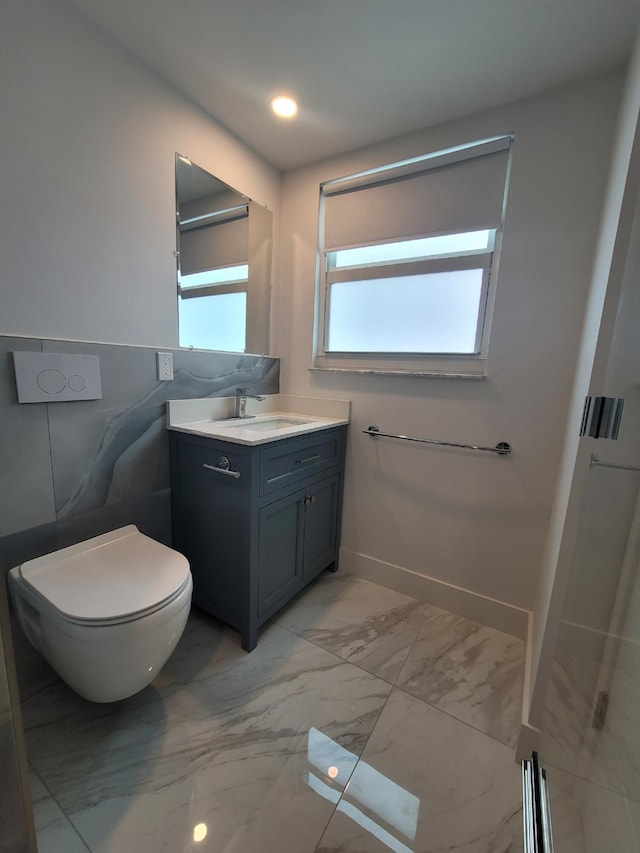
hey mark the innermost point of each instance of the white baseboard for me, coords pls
(488, 611)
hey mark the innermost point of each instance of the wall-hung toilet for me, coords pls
(105, 613)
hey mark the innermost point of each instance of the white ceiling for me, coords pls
(363, 70)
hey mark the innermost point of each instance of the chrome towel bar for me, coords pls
(223, 467)
(595, 461)
(503, 448)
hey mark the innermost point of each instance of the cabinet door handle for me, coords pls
(235, 474)
(308, 459)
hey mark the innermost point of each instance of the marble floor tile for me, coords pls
(470, 671)
(303, 739)
(361, 622)
(220, 739)
(54, 832)
(207, 647)
(425, 783)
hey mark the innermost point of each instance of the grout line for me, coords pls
(355, 767)
(62, 811)
(394, 685)
(453, 717)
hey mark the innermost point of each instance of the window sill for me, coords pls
(381, 371)
(424, 366)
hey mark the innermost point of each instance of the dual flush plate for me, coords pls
(48, 377)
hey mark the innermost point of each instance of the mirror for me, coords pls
(223, 243)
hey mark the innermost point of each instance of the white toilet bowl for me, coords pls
(105, 613)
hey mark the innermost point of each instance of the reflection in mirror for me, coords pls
(224, 264)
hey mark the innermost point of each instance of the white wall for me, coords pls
(467, 519)
(87, 175)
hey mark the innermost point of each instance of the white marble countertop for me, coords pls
(276, 417)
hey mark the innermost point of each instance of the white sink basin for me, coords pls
(271, 423)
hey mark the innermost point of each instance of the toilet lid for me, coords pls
(108, 577)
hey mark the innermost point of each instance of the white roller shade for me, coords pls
(219, 245)
(455, 191)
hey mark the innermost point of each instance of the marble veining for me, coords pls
(474, 809)
(468, 670)
(363, 623)
(303, 745)
(91, 461)
(104, 449)
(222, 740)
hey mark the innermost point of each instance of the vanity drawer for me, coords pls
(283, 464)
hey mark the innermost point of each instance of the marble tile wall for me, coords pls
(72, 470)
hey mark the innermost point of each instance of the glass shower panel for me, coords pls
(591, 739)
(591, 743)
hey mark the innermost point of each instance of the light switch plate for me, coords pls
(50, 377)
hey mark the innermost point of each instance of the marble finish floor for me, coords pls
(593, 774)
(364, 721)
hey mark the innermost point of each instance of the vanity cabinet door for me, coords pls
(280, 551)
(297, 540)
(320, 526)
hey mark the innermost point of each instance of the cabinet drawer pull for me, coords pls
(222, 468)
(308, 459)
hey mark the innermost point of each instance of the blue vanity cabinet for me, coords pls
(256, 522)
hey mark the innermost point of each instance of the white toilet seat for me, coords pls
(110, 579)
(45, 606)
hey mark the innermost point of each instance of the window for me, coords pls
(409, 260)
(213, 276)
(213, 307)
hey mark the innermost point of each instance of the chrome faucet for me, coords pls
(241, 402)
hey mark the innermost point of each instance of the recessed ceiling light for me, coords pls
(284, 106)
